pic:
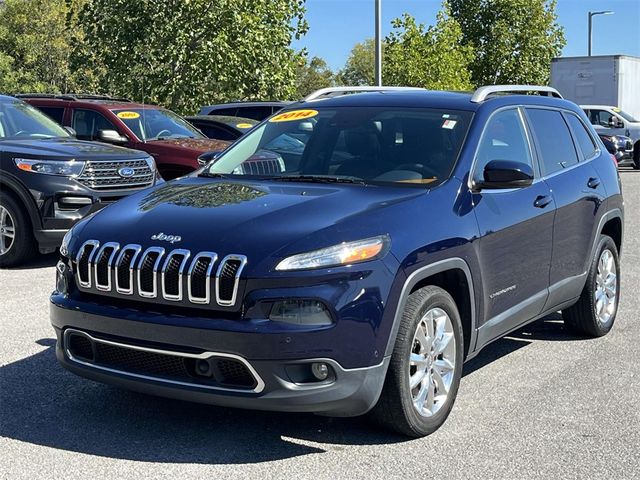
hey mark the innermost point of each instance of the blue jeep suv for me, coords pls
(356, 274)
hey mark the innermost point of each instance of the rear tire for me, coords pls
(428, 355)
(16, 238)
(595, 312)
(636, 157)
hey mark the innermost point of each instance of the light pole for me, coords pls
(378, 42)
(591, 15)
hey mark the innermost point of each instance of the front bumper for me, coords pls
(349, 392)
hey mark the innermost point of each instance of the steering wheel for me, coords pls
(424, 170)
(163, 131)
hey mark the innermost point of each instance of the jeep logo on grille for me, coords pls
(126, 172)
(166, 238)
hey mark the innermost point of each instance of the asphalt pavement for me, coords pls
(540, 403)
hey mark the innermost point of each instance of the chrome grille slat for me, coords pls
(153, 293)
(185, 254)
(213, 257)
(105, 287)
(159, 273)
(136, 249)
(231, 300)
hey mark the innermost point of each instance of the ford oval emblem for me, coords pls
(126, 172)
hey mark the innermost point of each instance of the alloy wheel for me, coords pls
(7, 230)
(432, 362)
(605, 295)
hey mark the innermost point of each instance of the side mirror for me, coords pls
(506, 174)
(111, 136)
(70, 131)
(209, 157)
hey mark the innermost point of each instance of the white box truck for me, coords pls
(608, 89)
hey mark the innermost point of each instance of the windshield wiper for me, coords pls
(318, 179)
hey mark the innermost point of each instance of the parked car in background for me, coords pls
(168, 138)
(50, 180)
(613, 121)
(416, 228)
(222, 127)
(256, 110)
(621, 148)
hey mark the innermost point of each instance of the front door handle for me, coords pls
(542, 201)
(593, 182)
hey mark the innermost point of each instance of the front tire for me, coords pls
(595, 312)
(16, 239)
(426, 365)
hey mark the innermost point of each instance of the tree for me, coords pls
(183, 54)
(514, 40)
(433, 58)
(312, 75)
(38, 39)
(360, 66)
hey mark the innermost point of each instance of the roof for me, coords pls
(108, 102)
(274, 103)
(226, 119)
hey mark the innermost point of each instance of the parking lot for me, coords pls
(537, 404)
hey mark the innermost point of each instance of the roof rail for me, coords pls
(482, 93)
(71, 96)
(338, 91)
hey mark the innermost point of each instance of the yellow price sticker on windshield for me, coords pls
(294, 115)
(128, 115)
(615, 109)
(244, 125)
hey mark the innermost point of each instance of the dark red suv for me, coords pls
(173, 142)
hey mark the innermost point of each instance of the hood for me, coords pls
(196, 146)
(259, 219)
(67, 148)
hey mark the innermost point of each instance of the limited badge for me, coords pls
(294, 115)
(128, 115)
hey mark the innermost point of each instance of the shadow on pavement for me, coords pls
(38, 261)
(43, 404)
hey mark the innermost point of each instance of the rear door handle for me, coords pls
(593, 182)
(542, 201)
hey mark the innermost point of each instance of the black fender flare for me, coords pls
(16, 187)
(454, 263)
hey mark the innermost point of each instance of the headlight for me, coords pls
(67, 168)
(151, 163)
(343, 254)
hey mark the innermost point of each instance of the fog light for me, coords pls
(203, 368)
(300, 312)
(320, 370)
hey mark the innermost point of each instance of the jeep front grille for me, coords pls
(99, 175)
(156, 273)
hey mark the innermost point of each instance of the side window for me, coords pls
(213, 131)
(87, 123)
(602, 118)
(504, 138)
(232, 112)
(554, 140)
(55, 113)
(582, 136)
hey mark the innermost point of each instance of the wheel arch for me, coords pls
(19, 193)
(611, 224)
(452, 275)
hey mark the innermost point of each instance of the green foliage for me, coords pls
(359, 68)
(37, 43)
(514, 40)
(433, 58)
(312, 75)
(187, 53)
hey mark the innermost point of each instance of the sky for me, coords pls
(336, 25)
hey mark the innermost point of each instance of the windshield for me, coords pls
(156, 124)
(369, 144)
(20, 120)
(628, 117)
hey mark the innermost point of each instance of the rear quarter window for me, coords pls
(583, 137)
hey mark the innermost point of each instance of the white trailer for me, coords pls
(612, 80)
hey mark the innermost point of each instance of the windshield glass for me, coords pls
(627, 116)
(20, 120)
(371, 144)
(156, 124)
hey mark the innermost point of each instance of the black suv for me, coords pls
(49, 180)
(411, 229)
